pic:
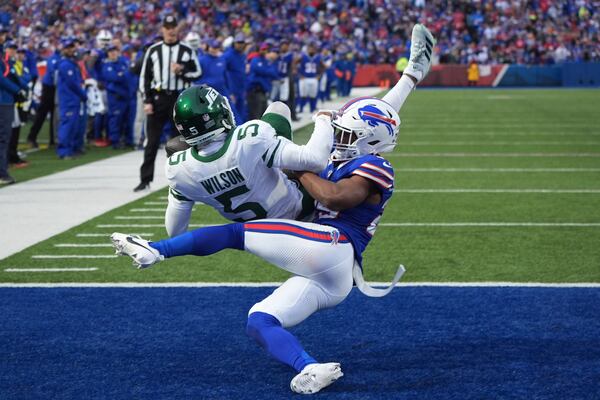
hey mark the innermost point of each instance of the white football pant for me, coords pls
(281, 90)
(320, 258)
(308, 87)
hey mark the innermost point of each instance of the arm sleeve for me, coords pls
(312, 156)
(6, 83)
(146, 76)
(376, 172)
(177, 215)
(73, 86)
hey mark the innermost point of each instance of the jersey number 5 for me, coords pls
(256, 208)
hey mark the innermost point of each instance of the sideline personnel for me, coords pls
(169, 67)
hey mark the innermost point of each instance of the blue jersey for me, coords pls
(213, 73)
(114, 74)
(50, 76)
(69, 85)
(358, 223)
(235, 71)
(262, 74)
(309, 65)
(284, 64)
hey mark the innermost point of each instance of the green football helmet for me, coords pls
(202, 115)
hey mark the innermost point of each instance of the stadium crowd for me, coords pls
(251, 51)
(515, 31)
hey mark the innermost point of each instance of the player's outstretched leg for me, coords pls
(315, 377)
(199, 242)
(421, 49)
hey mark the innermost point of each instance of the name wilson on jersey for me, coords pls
(223, 180)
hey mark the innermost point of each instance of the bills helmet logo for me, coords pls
(374, 116)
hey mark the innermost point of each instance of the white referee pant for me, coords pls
(318, 255)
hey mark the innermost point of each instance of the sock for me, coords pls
(399, 93)
(279, 343)
(203, 241)
(313, 104)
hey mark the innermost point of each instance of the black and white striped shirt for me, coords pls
(156, 74)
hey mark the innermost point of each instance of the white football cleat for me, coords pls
(421, 50)
(138, 249)
(315, 377)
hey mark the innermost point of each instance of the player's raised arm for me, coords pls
(283, 153)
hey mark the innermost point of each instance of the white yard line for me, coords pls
(155, 203)
(147, 209)
(549, 191)
(53, 256)
(49, 270)
(276, 284)
(512, 155)
(38, 209)
(148, 225)
(83, 245)
(107, 235)
(400, 170)
(136, 217)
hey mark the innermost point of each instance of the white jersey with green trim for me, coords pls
(243, 180)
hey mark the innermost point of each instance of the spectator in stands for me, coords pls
(377, 30)
(401, 64)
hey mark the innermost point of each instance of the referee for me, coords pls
(169, 66)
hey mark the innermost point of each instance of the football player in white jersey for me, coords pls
(238, 170)
(324, 256)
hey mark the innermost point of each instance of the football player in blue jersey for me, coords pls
(310, 69)
(324, 256)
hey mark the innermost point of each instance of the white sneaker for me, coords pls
(138, 249)
(315, 377)
(421, 49)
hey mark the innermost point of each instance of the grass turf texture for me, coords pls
(434, 123)
(44, 161)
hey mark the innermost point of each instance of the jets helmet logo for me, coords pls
(374, 116)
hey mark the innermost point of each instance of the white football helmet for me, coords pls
(365, 125)
(192, 39)
(103, 38)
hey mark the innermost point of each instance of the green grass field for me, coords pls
(44, 161)
(476, 158)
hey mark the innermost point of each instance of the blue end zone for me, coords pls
(189, 343)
